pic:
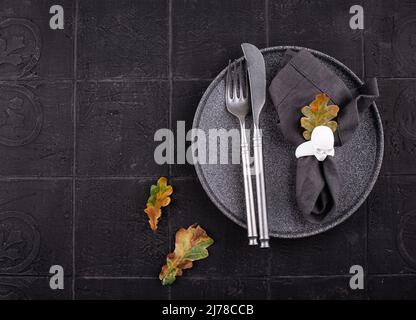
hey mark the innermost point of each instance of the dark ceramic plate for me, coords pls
(359, 161)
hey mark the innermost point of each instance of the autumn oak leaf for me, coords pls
(159, 198)
(318, 113)
(190, 245)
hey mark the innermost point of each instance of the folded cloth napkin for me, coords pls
(296, 85)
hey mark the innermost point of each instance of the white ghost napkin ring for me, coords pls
(321, 144)
(320, 126)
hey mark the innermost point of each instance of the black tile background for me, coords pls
(73, 194)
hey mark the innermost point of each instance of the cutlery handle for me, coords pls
(248, 187)
(260, 188)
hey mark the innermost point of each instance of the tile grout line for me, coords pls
(35, 178)
(190, 79)
(122, 80)
(143, 178)
(170, 75)
(35, 80)
(74, 101)
(218, 278)
(90, 178)
(145, 80)
(367, 202)
(110, 80)
(398, 175)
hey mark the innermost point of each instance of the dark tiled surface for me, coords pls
(317, 25)
(32, 288)
(398, 113)
(319, 288)
(120, 289)
(220, 289)
(390, 38)
(35, 227)
(42, 52)
(123, 39)
(332, 252)
(116, 123)
(47, 151)
(230, 254)
(206, 33)
(141, 66)
(392, 226)
(396, 287)
(113, 237)
(186, 96)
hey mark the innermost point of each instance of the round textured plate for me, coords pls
(359, 161)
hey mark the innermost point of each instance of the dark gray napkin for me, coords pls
(295, 86)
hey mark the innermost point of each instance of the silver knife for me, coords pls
(257, 78)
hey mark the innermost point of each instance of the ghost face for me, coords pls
(320, 146)
(322, 140)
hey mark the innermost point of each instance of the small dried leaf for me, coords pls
(333, 125)
(190, 245)
(307, 111)
(318, 113)
(159, 197)
(153, 214)
(306, 123)
(307, 135)
(333, 110)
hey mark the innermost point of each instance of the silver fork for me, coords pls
(236, 91)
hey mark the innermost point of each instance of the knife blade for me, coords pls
(257, 77)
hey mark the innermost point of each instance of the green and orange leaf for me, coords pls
(159, 198)
(318, 113)
(190, 245)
